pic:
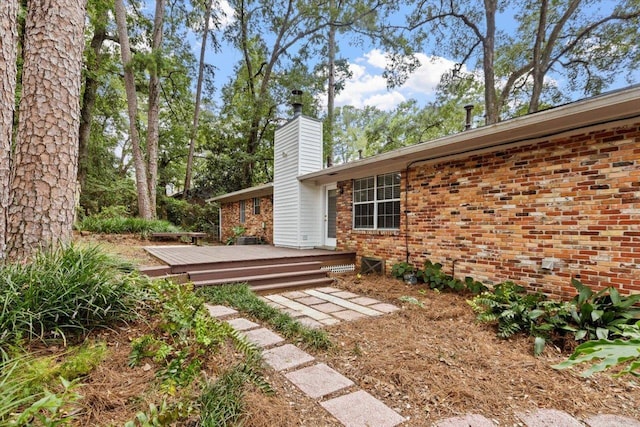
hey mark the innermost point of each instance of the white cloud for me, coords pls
(226, 14)
(376, 58)
(367, 86)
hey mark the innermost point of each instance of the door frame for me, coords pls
(327, 241)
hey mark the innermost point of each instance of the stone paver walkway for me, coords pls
(327, 306)
(316, 308)
(348, 404)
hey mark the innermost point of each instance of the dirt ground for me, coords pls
(427, 363)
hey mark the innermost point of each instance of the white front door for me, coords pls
(330, 214)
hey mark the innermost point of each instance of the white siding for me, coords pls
(297, 208)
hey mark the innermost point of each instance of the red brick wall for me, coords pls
(497, 216)
(253, 223)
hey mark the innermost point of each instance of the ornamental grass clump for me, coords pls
(124, 225)
(65, 290)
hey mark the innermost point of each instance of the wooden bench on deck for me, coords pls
(195, 236)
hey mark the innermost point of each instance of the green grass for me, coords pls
(222, 403)
(66, 290)
(241, 298)
(123, 225)
(34, 390)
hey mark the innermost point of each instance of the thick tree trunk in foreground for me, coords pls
(9, 31)
(43, 187)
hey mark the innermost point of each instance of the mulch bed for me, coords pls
(426, 363)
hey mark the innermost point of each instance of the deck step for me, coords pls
(285, 286)
(265, 279)
(155, 270)
(244, 272)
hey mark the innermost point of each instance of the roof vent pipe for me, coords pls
(296, 102)
(468, 108)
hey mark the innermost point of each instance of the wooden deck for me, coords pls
(181, 258)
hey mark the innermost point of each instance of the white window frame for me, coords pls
(376, 201)
(256, 205)
(243, 213)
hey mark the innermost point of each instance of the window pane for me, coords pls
(363, 215)
(389, 215)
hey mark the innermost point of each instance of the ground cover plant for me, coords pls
(116, 220)
(589, 315)
(432, 275)
(65, 290)
(240, 297)
(428, 361)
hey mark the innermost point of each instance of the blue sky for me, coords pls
(367, 85)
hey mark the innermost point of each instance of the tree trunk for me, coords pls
(488, 46)
(144, 204)
(88, 103)
(537, 72)
(154, 109)
(43, 187)
(8, 43)
(196, 112)
(331, 85)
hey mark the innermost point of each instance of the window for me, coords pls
(376, 202)
(242, 213)
(256, 205)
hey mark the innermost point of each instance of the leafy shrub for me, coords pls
(122, 225)
(433, 276)
(607, 353)
(603, 314)
(401, 268)
(189, 216)
(65, 290)
(600, 314)
(188, 333)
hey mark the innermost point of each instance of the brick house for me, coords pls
(251, 209)
(538, 199)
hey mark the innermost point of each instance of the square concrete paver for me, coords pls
(329, 322)
(384, 307)
(360, 409)
(548, 418)
(345, 294)
(263, 337)
(318, 380)
(305, 310)
(328, 290)
(474, 420)
(343, 303)
(242, 324)
(307, 300)
(327, 307)
(286, 357)
(307, 321)
(348, 315)
(611, 421)
(364, 301)
(220, 310)
(294, 294)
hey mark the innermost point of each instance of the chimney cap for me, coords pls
(296, 102)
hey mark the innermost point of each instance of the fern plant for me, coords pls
(600, 315)
(514, 311)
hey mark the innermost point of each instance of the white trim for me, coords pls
(617, 108)
(328, 242)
